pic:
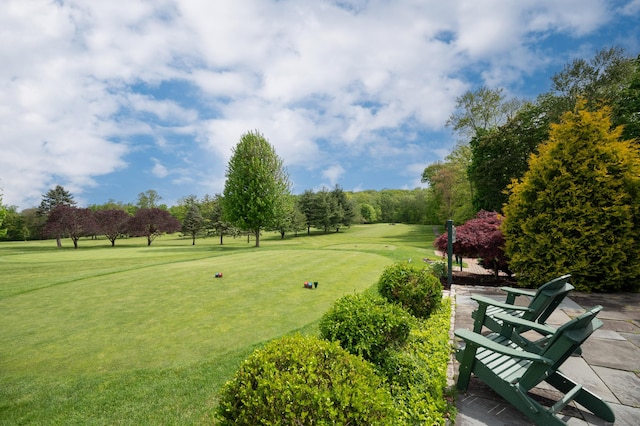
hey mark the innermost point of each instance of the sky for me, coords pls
(113, 98)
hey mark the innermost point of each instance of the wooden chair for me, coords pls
(512, 372)
(544, 301)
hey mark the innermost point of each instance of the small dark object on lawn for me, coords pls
(315, 284)
(307, 284)
(218, 274)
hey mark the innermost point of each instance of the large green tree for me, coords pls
(482, 109)
(577, 209)
(502, 154)
(626, 105)
(450, 186)
(256, 184)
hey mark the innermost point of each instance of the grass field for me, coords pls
(146, 335)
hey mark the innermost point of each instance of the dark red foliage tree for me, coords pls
(112, 223)
(482, 238)
(152, 223)
(70, 221)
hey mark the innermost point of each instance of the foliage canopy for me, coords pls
(257, 185)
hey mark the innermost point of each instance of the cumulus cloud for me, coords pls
(86, 84)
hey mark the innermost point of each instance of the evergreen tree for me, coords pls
(193, 222)
(577, 209)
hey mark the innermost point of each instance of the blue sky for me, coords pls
(113, 98)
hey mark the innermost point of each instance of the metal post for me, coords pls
(449, 252)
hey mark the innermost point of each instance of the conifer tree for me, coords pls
(577, 209)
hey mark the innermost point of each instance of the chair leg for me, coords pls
(584, 397)
(479, 318)
(466, 357)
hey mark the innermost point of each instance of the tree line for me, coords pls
(326, 210)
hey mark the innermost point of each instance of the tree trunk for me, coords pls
(58, 242)
(194, 241)
(258, 237)
(220, 238)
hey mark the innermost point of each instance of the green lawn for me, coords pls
(134, 334)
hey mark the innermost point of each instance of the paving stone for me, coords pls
(482, 406)
(577, 369)
(633, 338)
(620, 325)
(607, 335)
(625, 416)
(624, 384)
(621, 355)
(558, 317)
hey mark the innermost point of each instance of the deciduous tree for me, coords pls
(152, 223)
(255, 186)
(71, 221)
(480, 237)
(502, 154)
(112, 223)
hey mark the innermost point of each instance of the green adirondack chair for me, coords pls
(512, 372)
(544, 301)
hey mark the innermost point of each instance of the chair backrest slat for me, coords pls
(566, 340)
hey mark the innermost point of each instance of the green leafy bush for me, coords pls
(305, 381)
(413, 287)
(366, 325)
(439, 269)
(417, 374)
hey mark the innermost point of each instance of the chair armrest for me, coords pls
(518, 291)
(483, 342)
(529, 325)
(483, 300)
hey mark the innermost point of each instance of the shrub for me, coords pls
(366, 325)
(413, 287)
(577, 209)
(482, 238)
(304, 381)
(417, 374)
(439, 269)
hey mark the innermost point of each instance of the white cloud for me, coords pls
(333, 174)
(320, 80)
(158, 170)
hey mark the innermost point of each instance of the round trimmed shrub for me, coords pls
(416, 289)
(305, 381)
(366, 325)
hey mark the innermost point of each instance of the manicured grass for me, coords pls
(134, 334)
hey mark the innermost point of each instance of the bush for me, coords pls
(304, 381)
(366, 325)
(439, 269)
(413, 287)
(577, 209)
(417, 374)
